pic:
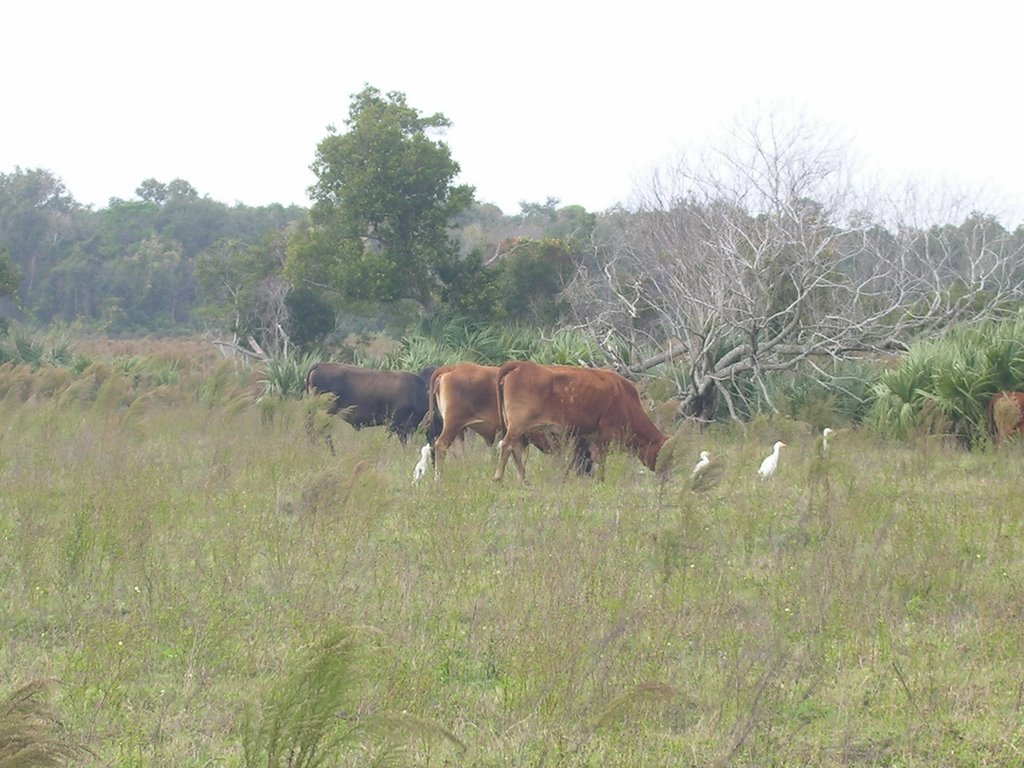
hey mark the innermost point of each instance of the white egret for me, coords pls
(824, 439)
(771, 463)
(704, 463)
(421, 465)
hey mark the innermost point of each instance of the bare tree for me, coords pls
(246, 294)
(760, 258)
(271, 314)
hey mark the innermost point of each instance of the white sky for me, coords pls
(573, 100)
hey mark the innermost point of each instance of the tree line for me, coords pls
(387, 235)
(126, 268)
(726, 270)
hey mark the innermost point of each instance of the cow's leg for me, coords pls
(503, 453)
(582, 463)
(519, 454)
(440, 449)
(402, 425)
(583, 459)
(507, 443)
(598, 451)
(441, 445)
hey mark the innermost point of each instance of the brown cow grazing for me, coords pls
(464, 396)
(595, 404)
(1006, 414)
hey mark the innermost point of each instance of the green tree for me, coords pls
(310, 317)
(383, 203)
(124, 223)
(152, 285)
(10, 277)
(245, 293)
(152, 191)
(75, 287)
(472, 290)
(228, 276)
(534, 274)
(547, 220)
(548, 210)
(37, 222)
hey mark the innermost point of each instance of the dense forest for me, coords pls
(173, 261)
(719, 275)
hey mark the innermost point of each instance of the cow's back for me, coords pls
(328, 378)
(464, 395)
(469, 388)
(370, 397)
(577, 398)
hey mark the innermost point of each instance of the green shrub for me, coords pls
(446, 339)
(945, 385)
(285, 377)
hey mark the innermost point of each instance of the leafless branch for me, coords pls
(757, 260)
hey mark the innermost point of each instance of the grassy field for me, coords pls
(178, 566)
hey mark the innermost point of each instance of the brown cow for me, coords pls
(595, 404)
(464, 396)
(1006, 414)
(461, 396)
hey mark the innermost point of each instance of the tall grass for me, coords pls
(311, 716)
(31, 734)
(182, 567)
(306, 718)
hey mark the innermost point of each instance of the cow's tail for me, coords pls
(310, 389)
(435, 423)
(499, 382)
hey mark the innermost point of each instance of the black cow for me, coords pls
(426, 373)
(366, 397)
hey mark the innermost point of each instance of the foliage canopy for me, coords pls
(383, 203)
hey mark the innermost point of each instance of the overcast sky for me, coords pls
(577, 101)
